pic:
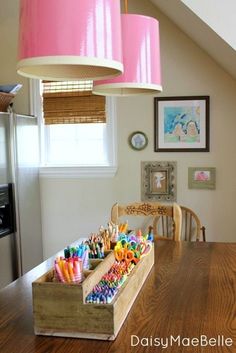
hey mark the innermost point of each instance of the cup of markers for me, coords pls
(68, 270)
(81, 251)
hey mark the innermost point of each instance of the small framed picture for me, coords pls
(201, 178)
(138, 140)
(158, 181)
(182, 124)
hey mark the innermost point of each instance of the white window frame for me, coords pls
(105, 171)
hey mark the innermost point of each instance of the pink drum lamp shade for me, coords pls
(141, 58)
(70, 39)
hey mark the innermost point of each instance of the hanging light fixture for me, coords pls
(70, 39)
(141, 58)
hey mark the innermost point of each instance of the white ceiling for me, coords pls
(218, 15)
(200, 32)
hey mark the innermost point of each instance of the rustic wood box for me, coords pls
(60, 309)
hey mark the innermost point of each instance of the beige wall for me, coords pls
(73, 208)
(9, 10)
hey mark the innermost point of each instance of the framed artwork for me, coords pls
(182, 124)
(138, 140)
(201, 178)
(158, 181)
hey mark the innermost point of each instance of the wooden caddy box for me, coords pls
(60, 309)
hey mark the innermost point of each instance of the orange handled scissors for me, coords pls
(124, 254)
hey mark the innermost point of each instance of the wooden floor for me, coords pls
(191, 291)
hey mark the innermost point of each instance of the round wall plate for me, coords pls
(138, 140)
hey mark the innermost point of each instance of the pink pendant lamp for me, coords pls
(141, 58)
(70, 39)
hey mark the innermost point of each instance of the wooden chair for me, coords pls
(191, 228)
(151, 209)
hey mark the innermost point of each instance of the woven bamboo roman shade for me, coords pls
(72, 102)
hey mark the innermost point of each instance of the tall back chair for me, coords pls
(151, 209)
(191, 228)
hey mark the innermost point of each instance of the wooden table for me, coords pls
(191, 291)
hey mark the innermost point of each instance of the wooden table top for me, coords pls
(189, 294)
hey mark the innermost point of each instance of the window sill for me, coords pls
(78, 172)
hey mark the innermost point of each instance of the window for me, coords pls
(76, 144)
(75, 149)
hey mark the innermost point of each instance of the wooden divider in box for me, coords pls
(60, 309)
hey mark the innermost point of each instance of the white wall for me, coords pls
(73, 208)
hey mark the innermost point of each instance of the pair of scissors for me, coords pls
(141, 248)
(124, 254)
(145, 247)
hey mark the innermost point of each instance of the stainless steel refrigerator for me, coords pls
(21, 244)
